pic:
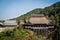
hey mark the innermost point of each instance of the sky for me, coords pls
(13, 8)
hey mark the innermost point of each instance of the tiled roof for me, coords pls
(10, 22)
(38, 19)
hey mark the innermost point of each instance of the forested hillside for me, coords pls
(50, 11)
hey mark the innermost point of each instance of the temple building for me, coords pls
(38, 23)
(8, 24)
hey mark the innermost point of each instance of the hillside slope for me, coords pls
(52, 10)
(23, 17)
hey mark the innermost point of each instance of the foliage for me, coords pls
(56, 32)
(18, 34)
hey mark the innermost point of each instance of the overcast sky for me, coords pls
(14, 8)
